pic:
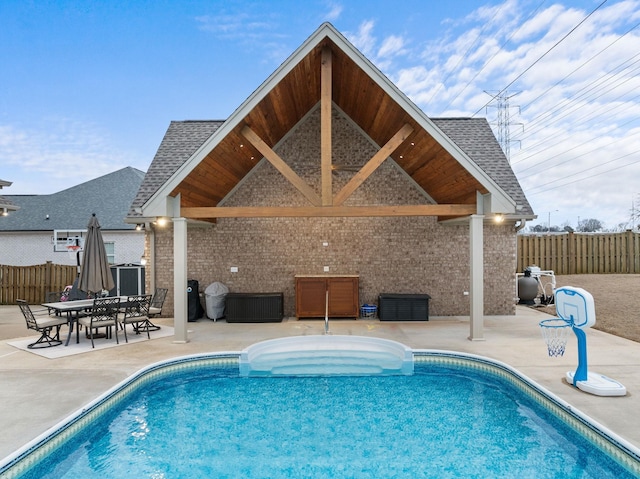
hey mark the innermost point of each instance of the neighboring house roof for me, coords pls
(108, 196)
(326, 67)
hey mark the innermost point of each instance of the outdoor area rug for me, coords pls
(84, 346)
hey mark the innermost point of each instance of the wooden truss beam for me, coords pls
(325, 211)
(325, 126)
(281, 166)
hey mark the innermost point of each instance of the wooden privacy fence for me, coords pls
(580, 253)
(32, 283)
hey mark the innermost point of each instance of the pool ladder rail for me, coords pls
(326, 313)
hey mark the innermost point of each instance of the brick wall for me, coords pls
(392, 255)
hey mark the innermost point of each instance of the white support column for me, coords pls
(180, 303)
(151, 259)
(476, 275)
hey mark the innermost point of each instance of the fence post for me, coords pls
(628, 246)
(48, 275)
(571, 251)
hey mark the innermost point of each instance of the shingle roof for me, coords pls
(180, 141)
(108, 196)
(475, 137)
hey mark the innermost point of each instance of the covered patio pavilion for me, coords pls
(327, 74)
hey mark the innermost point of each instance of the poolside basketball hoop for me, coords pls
(576, 310)
(555, 332)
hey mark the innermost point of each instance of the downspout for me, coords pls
(522, 224)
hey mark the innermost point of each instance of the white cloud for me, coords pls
(253, 30)
(58, 154)
(382, 53)
(391, 46)
(363, 40)
(233, 25)
(335, 9)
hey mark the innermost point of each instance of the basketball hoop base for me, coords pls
(598, 385)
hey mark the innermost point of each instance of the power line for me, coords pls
(463, 57)
(607, 78)
(588, 89)
(583, 64)
(498, 50)
(518, 174)
(585, 178)
(544, 54)
(580, 121)
(620, 107)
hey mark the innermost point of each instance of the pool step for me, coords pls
(326, 356)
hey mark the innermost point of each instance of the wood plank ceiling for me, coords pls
(363, 100)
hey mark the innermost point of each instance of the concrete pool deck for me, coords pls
(37, 392)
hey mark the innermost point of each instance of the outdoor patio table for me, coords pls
(72, 309)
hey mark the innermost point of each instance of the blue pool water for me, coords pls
(442, 422)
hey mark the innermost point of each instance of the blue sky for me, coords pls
(88, 87)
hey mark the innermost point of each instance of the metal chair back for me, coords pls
(137, 307)
(158, 297)
(137, 313)
(104, 310)
(28, 315)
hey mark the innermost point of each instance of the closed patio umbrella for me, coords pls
(95, 274)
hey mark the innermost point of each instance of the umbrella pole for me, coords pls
(78, 258)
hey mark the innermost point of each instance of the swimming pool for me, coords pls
(501, 425)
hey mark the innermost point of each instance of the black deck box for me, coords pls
(254, 307)
(403, 307)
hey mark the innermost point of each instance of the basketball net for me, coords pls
(555, 332)
(73, 249)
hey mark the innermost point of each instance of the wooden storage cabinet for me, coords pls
(311, 296)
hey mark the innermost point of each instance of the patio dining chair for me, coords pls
(157, 301)
(104, 314)
(155, 308)
(136, 312)
(41, 322)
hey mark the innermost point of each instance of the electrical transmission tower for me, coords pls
(503, 123)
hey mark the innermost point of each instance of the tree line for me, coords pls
(590, 225)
